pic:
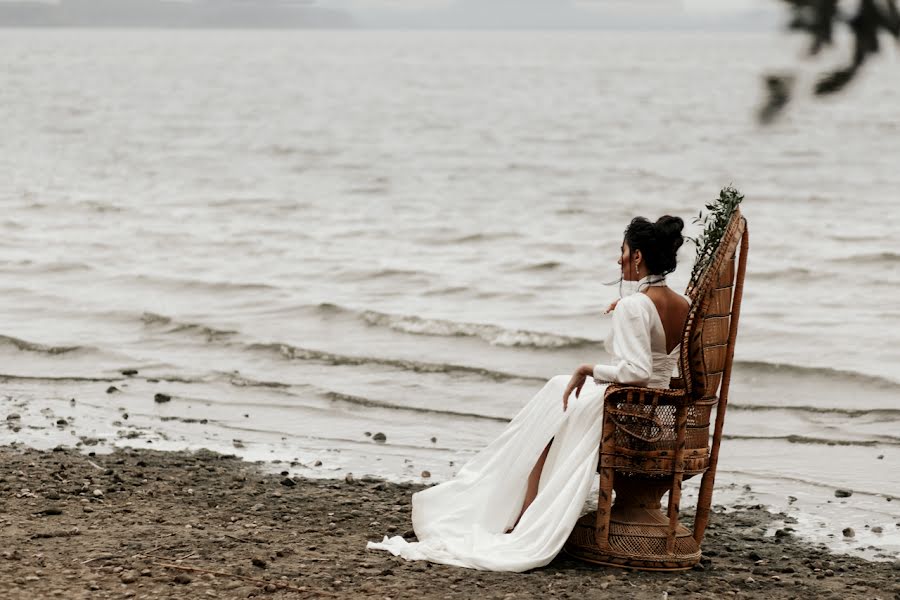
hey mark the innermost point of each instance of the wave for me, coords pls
(803, 439)
(754, 366)
(870, 258)
(211, 333)
(26, 346)
(295, 353)
(369, 403)
(888, 413)
(493, 334)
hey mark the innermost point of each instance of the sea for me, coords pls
(293, 241)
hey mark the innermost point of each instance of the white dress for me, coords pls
(463, 521)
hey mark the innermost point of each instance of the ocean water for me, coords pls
(305, 238)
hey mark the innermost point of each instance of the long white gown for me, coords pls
(463, 521)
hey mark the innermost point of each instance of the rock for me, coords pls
(13, 417)
(258, 562)
(349, 478)
(426, 474)
(367, 433)
(877, 529)
(182, 579)
(318, 463)
(52, 495)
(51, 510)
(781, 533)
(160, 398)
(112, 389)
(288, 482)
(271, 587)
(146, 572)
(379, 437)
(848, 532)
(62, 422)
(129, 577)
(129, 372)
(434, 440)
(237, 443)
(97, 493)
(842, 493)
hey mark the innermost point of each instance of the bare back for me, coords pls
(673, 310)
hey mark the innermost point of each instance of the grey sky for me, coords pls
(400, 14)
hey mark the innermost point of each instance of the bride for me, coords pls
(512, 506)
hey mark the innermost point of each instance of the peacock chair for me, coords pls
(653, 439)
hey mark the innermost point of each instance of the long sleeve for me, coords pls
(632, 358)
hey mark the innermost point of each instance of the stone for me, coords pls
(160, 398)
(182, 579)
(129, 372)
(128, 577)
(877, 529)
(13, 417)
(842, 493)
(848, 532)
(258, 562)
(112, 389)
(288, 482)
(379, 437)
(426, 474)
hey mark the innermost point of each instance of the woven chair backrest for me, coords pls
(704, 347)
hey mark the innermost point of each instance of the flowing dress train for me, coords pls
(463, 521)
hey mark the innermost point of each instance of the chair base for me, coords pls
(635, 542)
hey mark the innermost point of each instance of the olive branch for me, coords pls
(714, 223)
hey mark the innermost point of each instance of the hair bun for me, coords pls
(669, 228)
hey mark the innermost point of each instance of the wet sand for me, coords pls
(151, 524)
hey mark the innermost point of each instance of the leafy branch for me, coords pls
(714, 224)
(818, 19)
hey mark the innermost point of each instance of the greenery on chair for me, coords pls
(714, 224)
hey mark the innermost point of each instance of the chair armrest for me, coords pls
(634, 394)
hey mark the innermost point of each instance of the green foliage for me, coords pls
(714, 223)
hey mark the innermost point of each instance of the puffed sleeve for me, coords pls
(632, 359)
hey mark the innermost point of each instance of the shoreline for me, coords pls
(104, 525)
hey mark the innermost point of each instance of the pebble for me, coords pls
(13, 417)
(160, 398)
(98, 493)
(842, 493)
(129, 577)
(112, 389)
(62, 422)
(288, 482)
(379, 437)
(848, 532)
(258, 562)
(182, 579)
(426, 474)
(877, 529)
(129, 372)
(434, 440)
(318, 463)
(349, 478)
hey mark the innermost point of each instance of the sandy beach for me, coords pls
(151, 524)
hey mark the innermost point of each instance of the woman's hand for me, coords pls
(577, 382)
(611, 307)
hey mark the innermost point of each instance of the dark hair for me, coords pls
(658, 242)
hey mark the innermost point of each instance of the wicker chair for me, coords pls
(653, 439)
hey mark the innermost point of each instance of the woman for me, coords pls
(512, 506)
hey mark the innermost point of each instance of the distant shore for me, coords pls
(151, 524)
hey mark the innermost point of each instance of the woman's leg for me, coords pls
(534, 479)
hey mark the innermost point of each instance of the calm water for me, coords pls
(306, 236)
